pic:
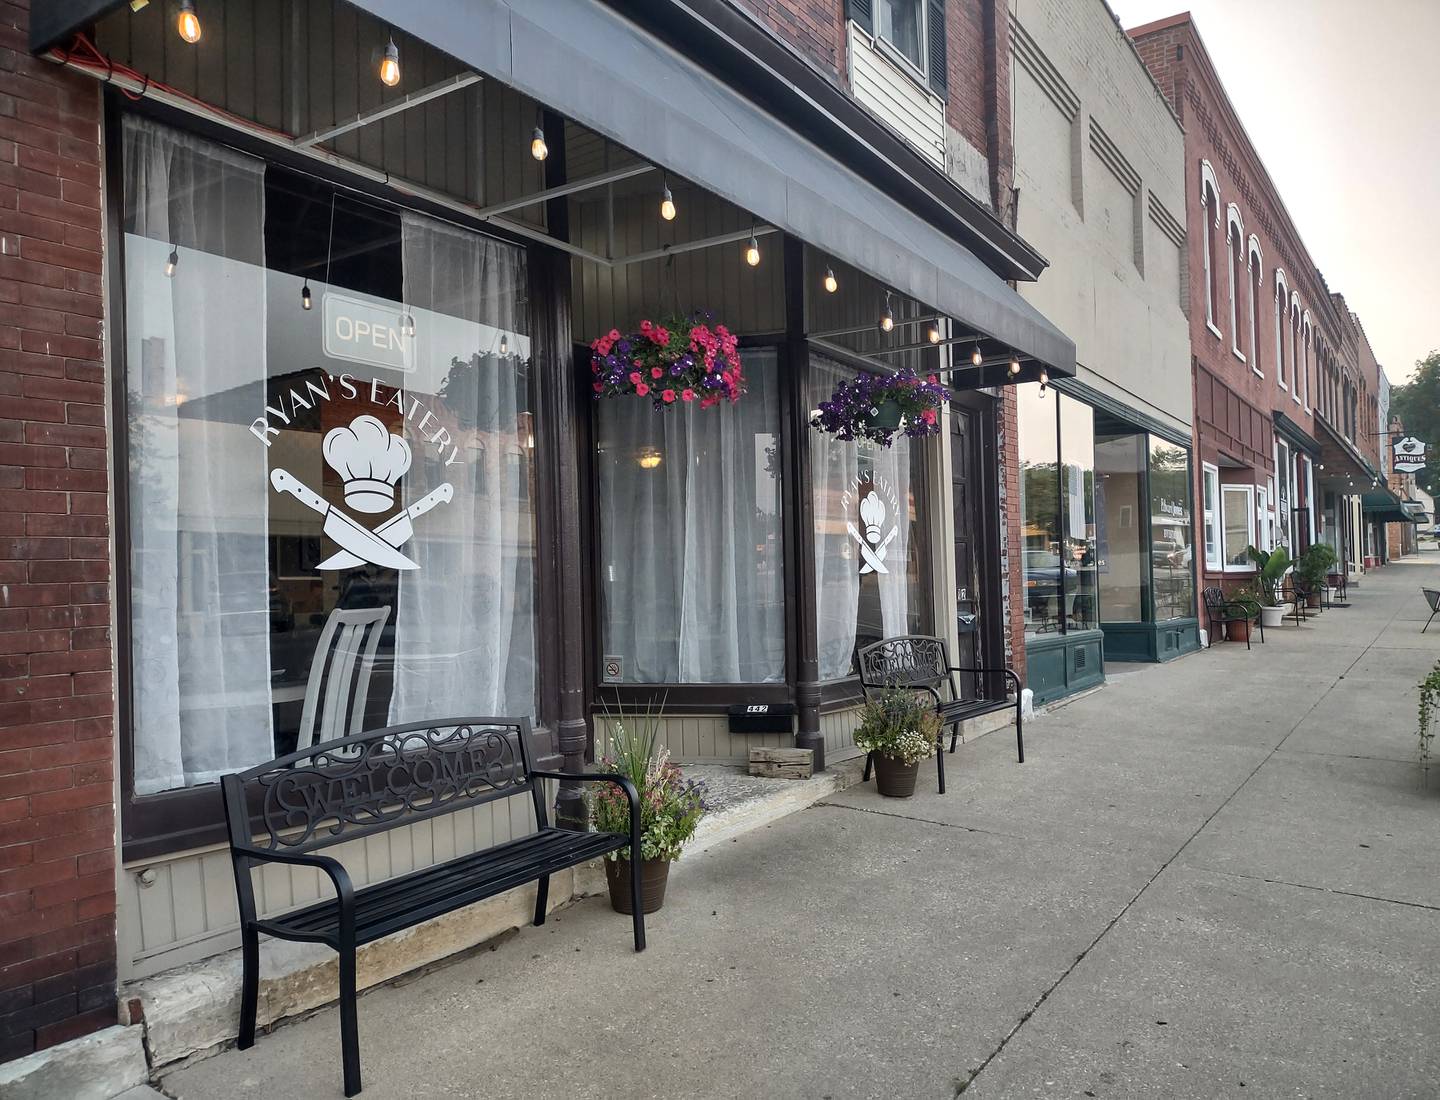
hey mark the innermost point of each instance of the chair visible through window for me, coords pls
(339, 683)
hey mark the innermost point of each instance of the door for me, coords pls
(966, 496)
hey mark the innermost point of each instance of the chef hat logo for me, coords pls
(371, 461)
(872, 515)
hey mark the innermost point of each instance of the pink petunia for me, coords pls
(634, 377)
(667, 396)
(598, 387)
(687, 394)
(656, 372)
(641, 388)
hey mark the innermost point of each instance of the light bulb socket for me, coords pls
(538, 149)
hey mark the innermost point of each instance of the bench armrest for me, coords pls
(344, 888)
(621, 781)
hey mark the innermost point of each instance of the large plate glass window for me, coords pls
(869, 536)
(1077, 472)
(330, 467)
(1122, 519)
(1172, 552)
(692, 573)
(1043, 553)
(1238, 506)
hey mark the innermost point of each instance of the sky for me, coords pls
(1340, 99)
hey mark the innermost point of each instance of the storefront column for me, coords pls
(800, 535)
(559, 430)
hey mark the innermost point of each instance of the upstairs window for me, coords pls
(901, 23)
(1210, 216)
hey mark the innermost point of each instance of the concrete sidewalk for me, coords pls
(1212, 878)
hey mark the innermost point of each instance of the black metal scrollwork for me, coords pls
(904, 662)
(319, 797)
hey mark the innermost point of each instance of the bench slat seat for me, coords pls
(961, 709)
(398, 903)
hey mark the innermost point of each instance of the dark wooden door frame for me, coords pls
(985, 543)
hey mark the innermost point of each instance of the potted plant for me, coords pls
(670, 808)
(1313, 567)
(681, 361)
(877, 406)
(1246, 596)
(1273, 566)
(1429, 700)
(900, 729)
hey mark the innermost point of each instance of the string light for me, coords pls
(1014, 365)
(887, 317)
(752, 250)
(187, 23)
(831, 285)
(504, 344)
(306, 302)
(933, 332)
(171, 261)
(390, 64)
(667, 203)
(407, 324)
(538, 149)
(1044, 380)
(975, 357)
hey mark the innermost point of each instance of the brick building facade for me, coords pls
(57, 750)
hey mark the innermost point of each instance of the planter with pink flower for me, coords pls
(680, 361)
(877, 407)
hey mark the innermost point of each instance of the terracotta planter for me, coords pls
(1238, 630)
(654, 875)
(1312, 600)
(894, 779)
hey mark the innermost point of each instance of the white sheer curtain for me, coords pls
(843, 474)
(464, 628)
(197, 480)
(693, 572)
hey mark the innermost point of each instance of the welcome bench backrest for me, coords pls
(907, 661)
(1214, 598)
(351, 787)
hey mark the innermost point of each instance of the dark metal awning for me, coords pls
(1382, 506)
(1295, 435)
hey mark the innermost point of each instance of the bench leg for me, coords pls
(940, 759)
(250, 985)
(637, 911)
(954, 736)
(1019, 730)
(542, 899)
(870, 760)
(349, 1030)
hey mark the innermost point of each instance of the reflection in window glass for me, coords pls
(1043, 550)
(1239, 508)
(1122, 529)
(869, 538)
(328, 506)
(692, 560)
(1172, 552)
(1077, 452)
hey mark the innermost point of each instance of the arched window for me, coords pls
(1210, 217)
(1297, 355)
(1255, 266)
(1282, 322)
(1235, 254)
(1308, 344)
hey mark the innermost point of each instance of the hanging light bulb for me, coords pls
(171, 261)
(407, 324)
(390, 64)
(1044, 380)
(1014, 365)
(887, 317)
(504, 343)
(667, 203)
(975, 357)
(831, 286)
(538, 149)
(306, 302)
(752, 250)
(933, 333)
(187, 23)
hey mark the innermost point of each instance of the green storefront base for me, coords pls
(1151, 641)
(1057, 665)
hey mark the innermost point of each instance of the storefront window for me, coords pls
(1122, 530)
(1239, 507)
(1172, 552)
(329, 446)
(1043, 548)
(1077, 471)
(1210, 476)
(692, 572)
(869, 536)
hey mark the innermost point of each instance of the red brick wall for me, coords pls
(57, 814)
(814, 27)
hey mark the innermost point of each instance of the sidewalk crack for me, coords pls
(920, 820)
(1307, 886)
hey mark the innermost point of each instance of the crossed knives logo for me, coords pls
(873, 546)
(371, 460)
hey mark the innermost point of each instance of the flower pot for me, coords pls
(893, 778)
(886, 416)
(1273, 616)
(654, 875)
(1238, 630)
(1312, 600)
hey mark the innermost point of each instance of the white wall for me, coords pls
(1099, 164)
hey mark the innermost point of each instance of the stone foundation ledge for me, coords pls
(94, 1067)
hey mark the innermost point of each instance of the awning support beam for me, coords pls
(615, 175)
(693, 246)
(404, 103)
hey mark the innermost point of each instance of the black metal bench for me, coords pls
(354, 787)
(1219, 611)
(922, 663)
(1300, 591)
(1433, 599)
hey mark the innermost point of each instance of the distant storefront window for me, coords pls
(1238, 504)
(329, 466)
(692, 576)
(1172, 552)
(1122, 520)
(1077, 473)
(870, 536)
(1214, 536)
(1043, 554)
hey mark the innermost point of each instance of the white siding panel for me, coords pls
(888, 90)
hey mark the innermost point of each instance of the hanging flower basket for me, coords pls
(876, 407)
(679, 361)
